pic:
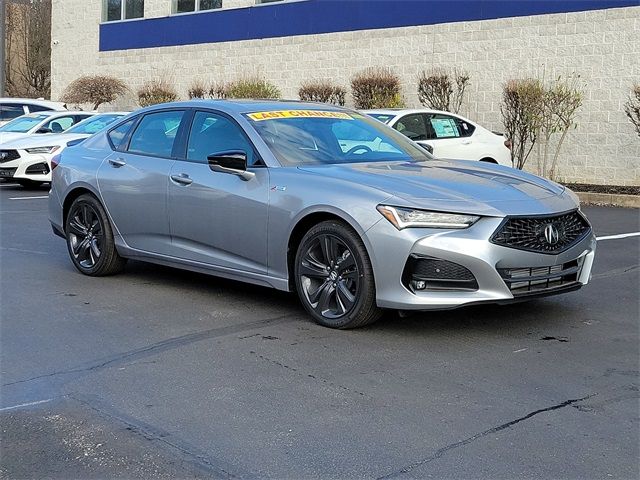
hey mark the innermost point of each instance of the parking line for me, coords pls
(13, 407)
(29, 198)
(621, 235)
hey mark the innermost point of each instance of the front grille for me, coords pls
(8, 155)
(427, 273)
(550, 234)
(7, 172)
(527, 281)
(38, 169)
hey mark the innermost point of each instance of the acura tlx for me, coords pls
(316, 199)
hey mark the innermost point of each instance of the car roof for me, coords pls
(247, 105)
(56, 113)
(405, 111)
(35, 101)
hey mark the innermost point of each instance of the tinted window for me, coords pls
(156, 133)
(134, 9)
(412, 126)
(212, 133)
(9, 112)
(384, 118)
(38, 108)
(118, 134)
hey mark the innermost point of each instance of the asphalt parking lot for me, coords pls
(164, 373)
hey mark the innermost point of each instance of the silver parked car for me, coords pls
(320, 200)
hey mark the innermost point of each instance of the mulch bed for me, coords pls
(614, 189)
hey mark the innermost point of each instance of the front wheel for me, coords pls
(334, 278)
(90, 238)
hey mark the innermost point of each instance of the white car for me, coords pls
(11, 108)
(27, 160)
(40, 123)
(447, 135)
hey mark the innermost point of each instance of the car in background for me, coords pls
(11, 108)
(40, 123)
(284, 194)
(447, 135)
(27, 160)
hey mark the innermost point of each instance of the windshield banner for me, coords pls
(274, 115)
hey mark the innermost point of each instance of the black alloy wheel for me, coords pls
(334, 277)
(90, 238)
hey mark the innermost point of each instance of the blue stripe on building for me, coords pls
(324, 16)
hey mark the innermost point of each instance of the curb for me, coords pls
(610, 199)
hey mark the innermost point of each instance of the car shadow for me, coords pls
(489, 318)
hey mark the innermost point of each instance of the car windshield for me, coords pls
(95, 124)
(315, 137)
(381, 117)
(23, 124)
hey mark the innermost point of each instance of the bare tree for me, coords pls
(632, 108)
(94, 89)
(28, 45)
(440, 90)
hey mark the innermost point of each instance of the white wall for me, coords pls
(602, 46)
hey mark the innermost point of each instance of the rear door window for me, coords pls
(156, 133)
(447, 126)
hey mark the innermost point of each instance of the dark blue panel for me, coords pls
(324, 16)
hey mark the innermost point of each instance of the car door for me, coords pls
(218, 218)
(133, 179)
(450, 136)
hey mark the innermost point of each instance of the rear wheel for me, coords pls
(90, 238)
(334, 277)
(489, 160)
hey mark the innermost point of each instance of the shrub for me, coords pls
(632, 108)
(521, 113)
(156, 91)
(376, 88)
(218, 90)
(439, 90)
(197, 90)
(322, 91)
(560, 103)
(251, 87)
(93, 89)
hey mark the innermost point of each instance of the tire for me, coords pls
(90, 238)
(488, 160)
(28, 183)
(334, 278)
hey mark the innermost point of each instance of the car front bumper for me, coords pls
(390, 250)
(34, 167)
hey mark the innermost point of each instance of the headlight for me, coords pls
(409, 217)
(50, 149)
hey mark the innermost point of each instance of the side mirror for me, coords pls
(231, 161)
(44, 130)
(426, 146)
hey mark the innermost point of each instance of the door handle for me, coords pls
(117, 162)
(182, 179)
(466, 142)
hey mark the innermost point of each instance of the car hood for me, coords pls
(455, 186)
(9, 136)
(42, 140)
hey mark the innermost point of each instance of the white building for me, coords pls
(290, 41)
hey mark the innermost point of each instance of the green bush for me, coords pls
(376, 88)
(251, 87)
(322, 91)
(156, 91)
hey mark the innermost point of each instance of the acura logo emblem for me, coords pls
(551, 234)
(3, 155)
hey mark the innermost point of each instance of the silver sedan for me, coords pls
(319, 200)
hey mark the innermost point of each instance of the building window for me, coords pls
(259, 2)
(113, 10)
(183, 6)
